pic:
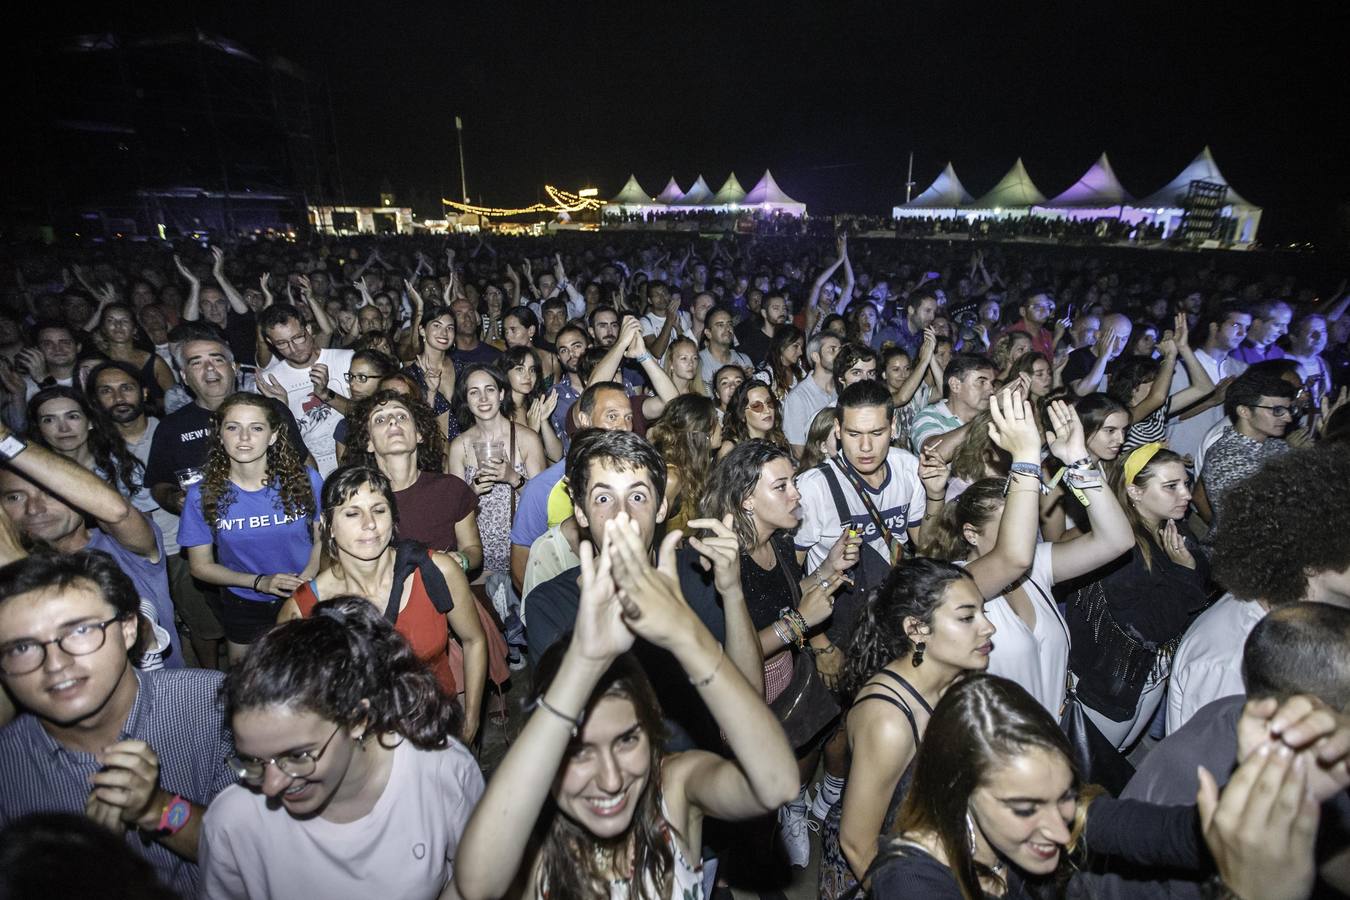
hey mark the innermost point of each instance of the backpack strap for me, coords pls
(837, 492)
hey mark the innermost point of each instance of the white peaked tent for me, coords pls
(730, 194)
(670, 194)
(768, 196)
(1098, 194)
(942, 199)
(1015, 193)
(1165, 205)
(632, 198)
(1099, 188)
(698, 195)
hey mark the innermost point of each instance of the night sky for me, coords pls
(831, 96)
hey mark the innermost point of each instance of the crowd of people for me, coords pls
(1009, 572)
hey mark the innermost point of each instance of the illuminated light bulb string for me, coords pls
(563, 202)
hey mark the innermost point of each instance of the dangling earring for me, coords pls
(970, 833)
(917, 658)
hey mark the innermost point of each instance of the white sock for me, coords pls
(830, 788)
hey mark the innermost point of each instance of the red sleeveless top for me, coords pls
(418, 620)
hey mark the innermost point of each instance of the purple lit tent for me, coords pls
(670, 194)
(943, 199)
(1098, 194)
(767, 196)
(698, 196)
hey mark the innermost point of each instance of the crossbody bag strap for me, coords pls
(860, 489)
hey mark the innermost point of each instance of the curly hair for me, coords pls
(911, 591)
(285, 471)
(1284, 524)
(573, 862)
(734, 426)
(430, 444)
(111, 457)
(1129, 374)
(731, 483)
(683, 436)
(343, 653)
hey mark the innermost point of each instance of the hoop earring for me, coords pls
(917, 659)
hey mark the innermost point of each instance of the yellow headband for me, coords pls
(1139, 458)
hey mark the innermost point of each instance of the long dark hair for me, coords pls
(785, 375)
(518, 356)
(978, 726)
(913, 590)
(344, 653)
(683, 435)
(733, 480)
(570, 866)
(285, 471)
(460, 402)
(734, 426)
(110, 452)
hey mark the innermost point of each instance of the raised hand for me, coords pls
(303, 283)
(318, 376)
(1308, 726)
(558, 271)
(721, 552)
(33, 361)
(1012, 425)
(217, 260)
(817, 603)
(10, 380)
(1261, 829)
(928, 346)
(934, 473)
(1106, 339)
(654, 605)
(268, 386)
(1174, 545)
(185, 271)
(1065, 437)
(844, 553)
(1181, 330)
(600, 633)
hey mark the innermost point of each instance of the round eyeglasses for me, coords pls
(295, 765)
(27, 654)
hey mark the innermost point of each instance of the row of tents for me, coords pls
(1098, 194)
(766, 196)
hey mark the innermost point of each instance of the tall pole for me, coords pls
(459, 133)
(909, 177)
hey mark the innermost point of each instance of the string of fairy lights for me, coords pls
(563, 202)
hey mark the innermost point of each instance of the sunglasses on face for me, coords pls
(758, 406)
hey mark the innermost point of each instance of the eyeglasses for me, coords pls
(1279, 411)
(361, 377)
(297, 341)
(296, 765)
(25, 656)
(758, 406)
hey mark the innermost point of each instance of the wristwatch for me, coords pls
(12, 446)
(175, 815)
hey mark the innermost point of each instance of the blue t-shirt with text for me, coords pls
(255, 535)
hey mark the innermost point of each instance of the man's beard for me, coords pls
(122, 413)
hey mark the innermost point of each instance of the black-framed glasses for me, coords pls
(360, 377)
(1280, 410)
(295, 765)
(24, 656)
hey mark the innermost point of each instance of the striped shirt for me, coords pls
(177, 712)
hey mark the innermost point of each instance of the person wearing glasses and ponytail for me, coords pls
(1127, 619)
(352, 779)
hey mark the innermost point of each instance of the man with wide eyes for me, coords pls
(139, 752)
(610, 473)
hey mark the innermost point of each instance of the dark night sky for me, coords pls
(831, 95)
